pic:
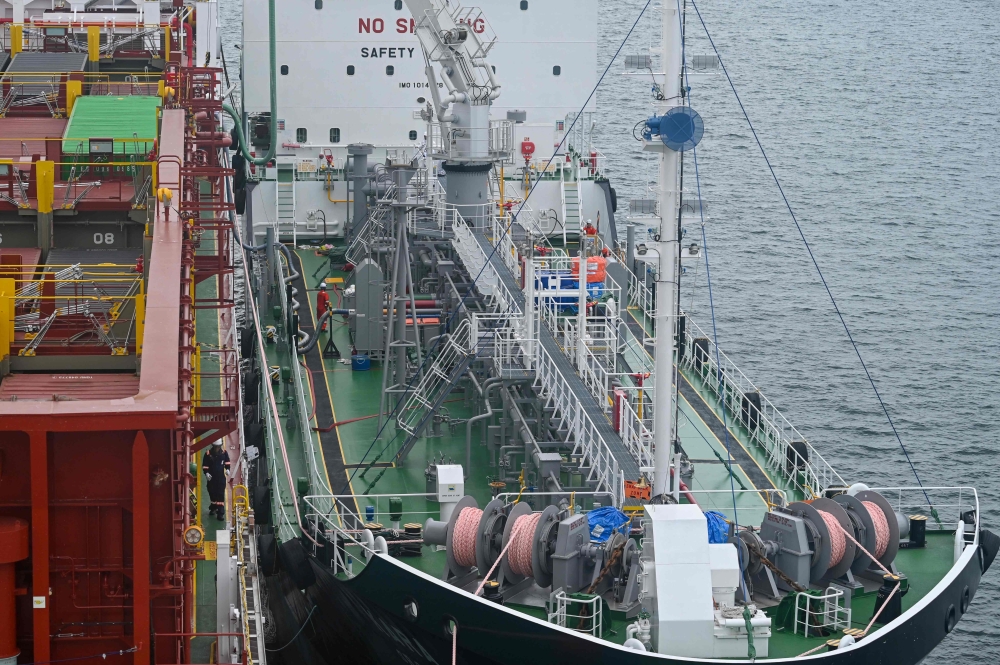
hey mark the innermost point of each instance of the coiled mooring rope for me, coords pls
(522, 543)
(881, 527)
(838, 544)
(463, 540)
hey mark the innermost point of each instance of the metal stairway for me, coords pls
(453, 359)
(572, 208)
(374, 226)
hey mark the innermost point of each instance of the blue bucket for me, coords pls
(361, 363)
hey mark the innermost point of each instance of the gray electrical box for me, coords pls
(569, 565)
(368, 321)
(794, 558)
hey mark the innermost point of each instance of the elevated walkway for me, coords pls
(623, 459)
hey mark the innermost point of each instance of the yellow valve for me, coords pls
(163, 195)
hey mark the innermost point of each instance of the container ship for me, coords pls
(404, 400)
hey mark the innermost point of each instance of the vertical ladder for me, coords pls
(285, 197)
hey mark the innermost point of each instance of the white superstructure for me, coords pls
(352, 72)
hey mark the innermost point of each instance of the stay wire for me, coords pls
(812, 257)
(496, 246)
(711, 301)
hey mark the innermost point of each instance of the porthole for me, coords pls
(449, 625)
(413, 135)
(421, 100)
(284, 70)
(966, 599)
(557, 70)
(335, 135)
(399, 5)
(524, 5)
(319, 4)
(390, 70)
(950, 619)
(410, 609)
(350, 70)
(301, 135)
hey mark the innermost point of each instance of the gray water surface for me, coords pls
(881, 119)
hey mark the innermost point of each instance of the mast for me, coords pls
(668, 196)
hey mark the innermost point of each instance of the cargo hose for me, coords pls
(238, 121)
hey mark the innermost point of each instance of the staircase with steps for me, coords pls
(572, 209)
(454, 355)
(374, 226)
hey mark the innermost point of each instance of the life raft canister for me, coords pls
(597, 269)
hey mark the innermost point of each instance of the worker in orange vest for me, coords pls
(322, 303)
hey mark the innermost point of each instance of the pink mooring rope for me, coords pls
(522, 543)
(881, 528)
(838, 544)
(463, 540)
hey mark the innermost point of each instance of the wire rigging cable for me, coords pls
(409, 386)
(711, 300)
(812, 257)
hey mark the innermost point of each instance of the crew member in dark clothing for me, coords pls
(322, 303)
(215, 466)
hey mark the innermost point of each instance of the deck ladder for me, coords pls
(453, 359)
(374, 226)
(572, 208)
(285, 197)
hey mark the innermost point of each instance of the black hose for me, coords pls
(310, 342)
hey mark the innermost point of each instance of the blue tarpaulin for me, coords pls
(604, 521)
(718, 527)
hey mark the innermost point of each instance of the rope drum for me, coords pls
(838, 543)
(522, 544)
(881, 528)
(464, 536)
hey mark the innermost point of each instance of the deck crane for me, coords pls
(451, 37)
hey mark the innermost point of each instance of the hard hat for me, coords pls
(322, 287)
(217, 443)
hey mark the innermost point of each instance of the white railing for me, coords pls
(643, 298)
(948, 503)
(768, 428)
(589, 446)
(822, 614)
(493, 143)
(635, 435)
(579, 613)
(504, 337)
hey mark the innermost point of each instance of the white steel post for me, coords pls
(529, 310)
(666, 280)
(581, 320)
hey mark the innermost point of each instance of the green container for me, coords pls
(395, 508)
(130, 117)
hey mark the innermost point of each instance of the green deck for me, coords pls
(354, 396)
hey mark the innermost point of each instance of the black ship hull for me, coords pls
(363, 621)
